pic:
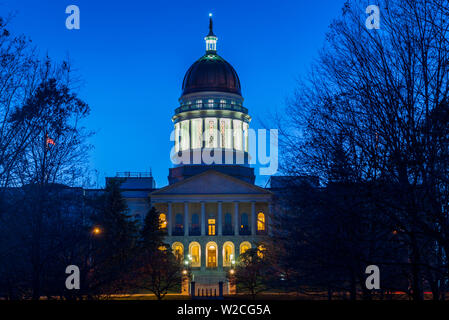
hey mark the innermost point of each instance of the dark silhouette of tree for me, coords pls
(375, 94)
(253, 273)
(158, 270)
(114, 246)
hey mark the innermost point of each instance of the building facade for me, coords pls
(211, 208)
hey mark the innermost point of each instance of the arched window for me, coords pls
(162, 221)
(244, 246)
(228, 253)
(195, 254)
(260, 222)
(178, 251)
(211, 255)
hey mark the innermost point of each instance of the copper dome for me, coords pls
(211, 73)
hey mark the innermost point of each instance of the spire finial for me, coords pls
(211, 38)
(211, 25)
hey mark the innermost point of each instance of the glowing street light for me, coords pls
(96, 230)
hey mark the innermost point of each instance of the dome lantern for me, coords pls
(211, 38)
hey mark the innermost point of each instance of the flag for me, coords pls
(50, 141)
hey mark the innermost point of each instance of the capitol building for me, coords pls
(212, 210)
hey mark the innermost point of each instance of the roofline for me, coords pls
(169, 187)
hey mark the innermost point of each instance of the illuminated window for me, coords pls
(244, 246)
(222, 133)
(185, 135)
(210, 103)
(238, 138)
(195, 254)
(245, 137)
(197, 133)
(162, 221)
(228, 253)
(222, 103)
(177, 137)
(225, 133)
(211, 229)
(260, 222)
(211, 255)
(211, 133)
(178, 251)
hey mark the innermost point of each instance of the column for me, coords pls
(236, 218)
(220, 219)
(186, 218)
(203, 218)
(232, 136)
(220, 256)
(203, 256)
(169, 219)
(253, 218)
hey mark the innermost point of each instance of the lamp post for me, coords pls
(186, 275)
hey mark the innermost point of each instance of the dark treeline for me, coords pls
(46, 223)
(372, 123)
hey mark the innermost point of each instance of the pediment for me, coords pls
(211, 182)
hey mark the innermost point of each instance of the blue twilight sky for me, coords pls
(132, 56)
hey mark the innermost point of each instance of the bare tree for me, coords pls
(382, 90)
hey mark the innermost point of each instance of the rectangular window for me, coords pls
(238, 138)
(245, 137)
(185, 135)
(225, 133)
(177, 137)
(197, 133)
(211, 133)
(211, 229)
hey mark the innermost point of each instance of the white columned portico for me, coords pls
(203, 218)
(220, 219)
(169, 219)
(186, 218)
(253, 218)
(236, 218)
